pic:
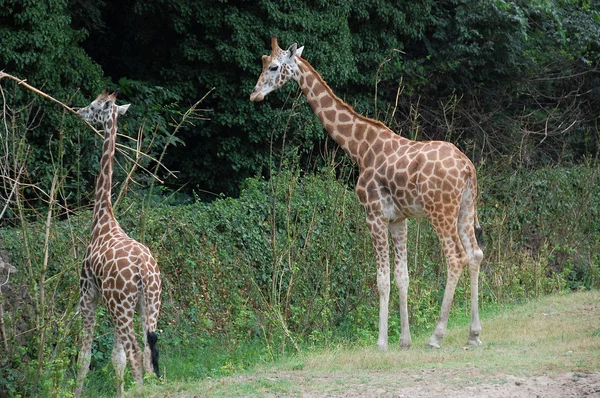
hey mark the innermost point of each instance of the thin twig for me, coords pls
(398, 92)
(184, 118)
(14, 188)
(35, 90)
(7, 278)
(23, 83)
(385, 61)
(133, 168)
(41, 310)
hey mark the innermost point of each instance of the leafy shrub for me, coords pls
(289, 265)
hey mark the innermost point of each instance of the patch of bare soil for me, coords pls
(563, 386)
(466, 383)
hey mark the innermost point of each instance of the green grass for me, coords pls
(549, 336)
(182, 363)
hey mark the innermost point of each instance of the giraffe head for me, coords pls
(102, 109)
(277, 69)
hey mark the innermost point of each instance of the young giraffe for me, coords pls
(399, 179)
(116, 268)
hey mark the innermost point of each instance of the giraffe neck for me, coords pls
(352, 131)
(103, 212)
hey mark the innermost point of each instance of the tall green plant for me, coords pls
(260, 285)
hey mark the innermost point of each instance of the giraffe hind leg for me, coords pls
(456, 259)
(119, 361)
(87, 306)
(131, 349)
(471, 236)
(149, 308)
(125, 344)
(148, 314)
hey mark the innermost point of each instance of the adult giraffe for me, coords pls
(399, 179)
(116, 268)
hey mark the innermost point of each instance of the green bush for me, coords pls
(285, 266)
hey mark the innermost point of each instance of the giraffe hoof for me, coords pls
(382, 346)
(474, 341)
(433, 343)
(405, 344)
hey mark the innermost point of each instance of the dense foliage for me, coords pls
(496, 77)
(287, 265)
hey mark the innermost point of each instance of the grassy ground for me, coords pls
(552, 343)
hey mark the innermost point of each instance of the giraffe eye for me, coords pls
(274, 68)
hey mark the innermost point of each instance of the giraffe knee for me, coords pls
(475, 260)
(383, 281)
(478, 256)
(119, 361)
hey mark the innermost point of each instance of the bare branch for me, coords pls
(119, 147)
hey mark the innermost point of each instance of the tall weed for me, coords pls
(289, 265)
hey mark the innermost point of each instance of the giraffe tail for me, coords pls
(478, 229)
(152, 340)
(479, 235)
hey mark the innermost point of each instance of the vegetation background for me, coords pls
(248, 207)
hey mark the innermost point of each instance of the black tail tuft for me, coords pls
(479, 236)
(152, 340)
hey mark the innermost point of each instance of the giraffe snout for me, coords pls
(81, 113)
(256, 95)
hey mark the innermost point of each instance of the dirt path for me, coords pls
(429, 383)
(548, 348)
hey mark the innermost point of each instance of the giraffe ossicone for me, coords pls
(399, 179)
(116, 269)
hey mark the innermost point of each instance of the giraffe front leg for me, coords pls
(383, 286)
(83, 361)
(398, 231)
(378, 230)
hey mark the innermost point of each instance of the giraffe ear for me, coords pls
(294, 50)
(121, 109)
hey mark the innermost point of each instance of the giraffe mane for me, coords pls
(306, 64)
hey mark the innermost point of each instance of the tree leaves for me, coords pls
(369, 51)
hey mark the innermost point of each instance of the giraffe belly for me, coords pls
(398, 208)
(410, 211)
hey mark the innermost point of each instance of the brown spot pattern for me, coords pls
(401, 179)
(115, 268)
